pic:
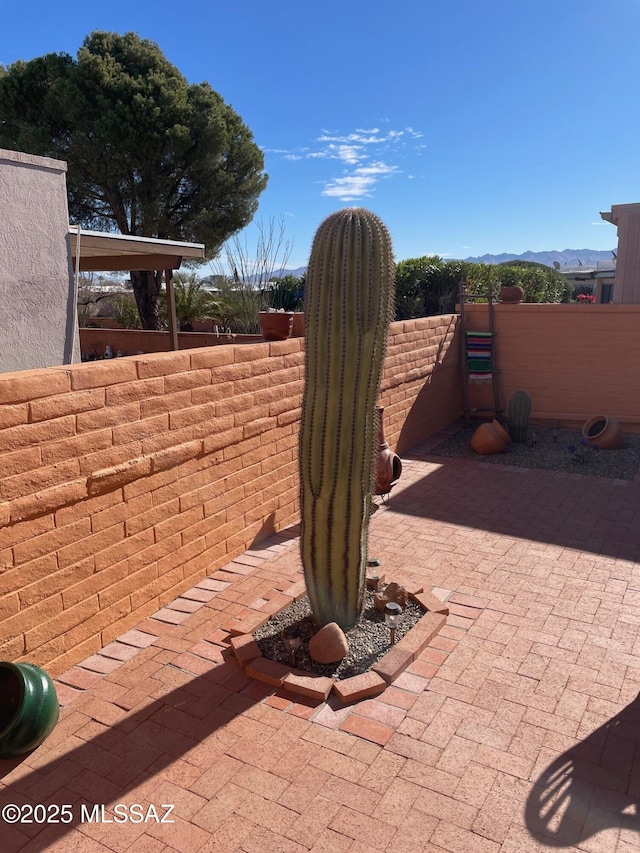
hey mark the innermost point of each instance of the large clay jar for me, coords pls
(511, 294)
(388, 465)
(275, 325)
(603, 431)
(501, 431)
(487, 440)
(28, 707)
(297, 330)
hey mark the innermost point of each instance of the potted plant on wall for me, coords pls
(283, 298)
(511, 292)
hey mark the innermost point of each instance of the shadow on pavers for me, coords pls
(591, 787)
(121, 757)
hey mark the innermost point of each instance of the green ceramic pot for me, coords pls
(29, 707)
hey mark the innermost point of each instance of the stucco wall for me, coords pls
(123, 482)
(575, 361)
(36, 279)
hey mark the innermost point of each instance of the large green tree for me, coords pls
(148, 153)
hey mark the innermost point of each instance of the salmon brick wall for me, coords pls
(124, 482)
(575, 361)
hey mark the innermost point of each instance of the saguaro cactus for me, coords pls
(348, 305)
(518, 411)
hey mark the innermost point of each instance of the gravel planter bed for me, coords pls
(550, 453)
(368, 640)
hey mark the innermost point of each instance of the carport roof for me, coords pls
(101, 251)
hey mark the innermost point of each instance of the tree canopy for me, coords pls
(430, 285)
(148, 153)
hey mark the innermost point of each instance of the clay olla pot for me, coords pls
(511, 294)
(388, 465)
(486, 440)
(603, 431)
(501, 431)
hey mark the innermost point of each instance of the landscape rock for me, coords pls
(392, 592)
(329, 644)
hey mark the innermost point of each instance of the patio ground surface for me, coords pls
(517, 730)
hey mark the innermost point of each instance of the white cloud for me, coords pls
(366, 155)
(360, 183)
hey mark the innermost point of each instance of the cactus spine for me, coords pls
(518, 411)
(348, 305)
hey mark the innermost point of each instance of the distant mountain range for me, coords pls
(566, 258)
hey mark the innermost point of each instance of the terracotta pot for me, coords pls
(388, 465)
(511, 295)
(603, 431)
(501, 431)
(487, 440)
(275, 325)
(298, 324)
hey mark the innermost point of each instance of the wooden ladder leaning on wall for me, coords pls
(467, 410)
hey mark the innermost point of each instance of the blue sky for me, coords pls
(468, 126)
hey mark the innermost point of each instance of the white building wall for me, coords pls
(37, 300)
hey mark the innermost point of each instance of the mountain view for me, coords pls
(566, 258)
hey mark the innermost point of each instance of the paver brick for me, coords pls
(245, 648)
(395, 661)
(350, 690)
(306, 684)
(269, 671)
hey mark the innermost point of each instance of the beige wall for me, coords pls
(124, 482)
(37, 304)
(575, 361)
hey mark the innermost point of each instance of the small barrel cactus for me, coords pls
(348, 304)
(518, 412)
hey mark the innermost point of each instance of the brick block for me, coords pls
(112, 478)
(359, 687)
(245, 649)
(30, 435)
(162, 364)
(32, 384)
(20, 461)
(139, 430)
(4, 514)
(76, 447)
(11, 416)
(172, 456)
(430, 602)
(109, 416)
(422, 633)
(307, 684)
(90, 545)
(396, 660)
(129, 392)
(48, 500)
(187, 381)
(166, 403)
(48, 543)
(258, 426)
(246, 625)
(192, 415)
(223, 441)
(41, 478)
(99, 374)
(269, 671)
(211, 357)
(71, 403)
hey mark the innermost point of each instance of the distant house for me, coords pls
(598, 279)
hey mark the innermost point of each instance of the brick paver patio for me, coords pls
(515, 731)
